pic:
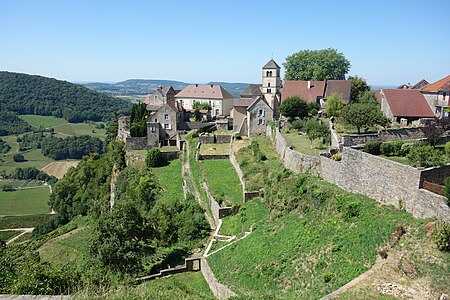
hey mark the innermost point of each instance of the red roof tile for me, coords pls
(440, 85)
(300, 89)
(204, 91)
(340, 87)
(407, 103)
(243, 102)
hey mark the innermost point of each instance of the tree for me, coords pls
(363, 115)
(316, 65)
(425, 156)
(294, 107)
(201, 106)
(18, 157)
(368, 97)
(359, 87)
(317, 130)
(154, 158)
(334, 105)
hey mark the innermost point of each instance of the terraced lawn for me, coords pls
(24, 201)
(169, 178)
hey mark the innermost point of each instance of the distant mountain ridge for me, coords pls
(132, 87)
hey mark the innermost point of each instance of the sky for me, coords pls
(387, 42)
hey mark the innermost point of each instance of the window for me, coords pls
(166, 126)
(260, 121)
(166, 117)
(152, 129)
(261, 112)
(269, 91)
(156, 97)
(268, 84)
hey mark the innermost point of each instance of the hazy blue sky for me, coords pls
(387, 42)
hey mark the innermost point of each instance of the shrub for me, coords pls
(387, 149)
(397, 148)
(373, 147)
(298, 124)
(336, 157)
(154, 158)
(425, 156)
(441, 236)
(238, 136)
(18, 157)
(406, 147)
(447, 148)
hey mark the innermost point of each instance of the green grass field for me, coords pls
(43, 121)
(211, 149)
(25, 201)
(169, 178)
(223, 181)
(186, 286)
(7, 235)
(302, 144)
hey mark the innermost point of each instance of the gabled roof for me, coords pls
(407, 103)
(422, 83)
(251, 91)
(256, 101)
(204, 91)
(271, 64)
(300, 89)
(340, 87)
(440, 85)
(175, 106)
(243, 102)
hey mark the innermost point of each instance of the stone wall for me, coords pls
(384, 180)
(171, 155)
(384, 136)
(123, 128)
(206, 139)
(136, 143)
(435, 175)
(223, 138)
(219, 290)
(212, 156)
(190, 265)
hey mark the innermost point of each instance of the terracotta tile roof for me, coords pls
(407, 103)
(204, 91)
(300, 88)
(175, 106)
(422, 83)
(440, 85)
(341, 87)
(245, 102)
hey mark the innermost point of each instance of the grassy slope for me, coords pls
(7, 235)
(303, 256)
(223, 179)
(23, 221)
(169, 178)
(180, 286)
(26, 201)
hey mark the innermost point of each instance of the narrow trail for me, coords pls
(25, 230)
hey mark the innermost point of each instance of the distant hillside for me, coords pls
(38, 95)
(133, 87)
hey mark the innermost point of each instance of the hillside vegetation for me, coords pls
(38, 95)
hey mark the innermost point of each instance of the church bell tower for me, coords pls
(271, 84)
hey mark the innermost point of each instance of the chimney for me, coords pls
(309, 84)
(212, 85)
(196, 85)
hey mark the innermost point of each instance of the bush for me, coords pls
(336, 157)
(237, 136)
(387, 149)
(441, 236)
(447, 148)
(373, 147)
(425, 156)
(298, 125)
(18, 157)
(397, 148)
(155, 158)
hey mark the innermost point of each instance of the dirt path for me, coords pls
(25, 230)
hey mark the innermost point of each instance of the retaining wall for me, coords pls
(212, 156)
(384, 136)
(219, 290)
(384, 180)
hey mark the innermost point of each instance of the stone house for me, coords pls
(218, 98)
(162, 124)
(159, 97)
(316, 91)
(250, 116)
(404, 105)
(437, 95)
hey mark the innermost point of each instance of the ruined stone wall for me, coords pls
(123, 128)
(136, 143)
(206, 139)
(435, 175)
(223, 138)
(384, 136)
(219, 290)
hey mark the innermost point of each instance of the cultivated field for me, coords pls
(59, 168)
(26, 201)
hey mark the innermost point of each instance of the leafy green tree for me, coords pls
(315, 129)
(316, 65)
(359, 87)
(294, 107)
(138, 123)
(334, 105)
(117, 151)
(363, 115)
(197, 115)
(434, 129)
(201, 106)
(18, 157)
(368, 97)
(154, 158)
(425, 156)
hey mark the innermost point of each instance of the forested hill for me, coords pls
(31, 94)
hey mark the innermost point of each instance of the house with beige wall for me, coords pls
(218, 98)
(250, 116)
